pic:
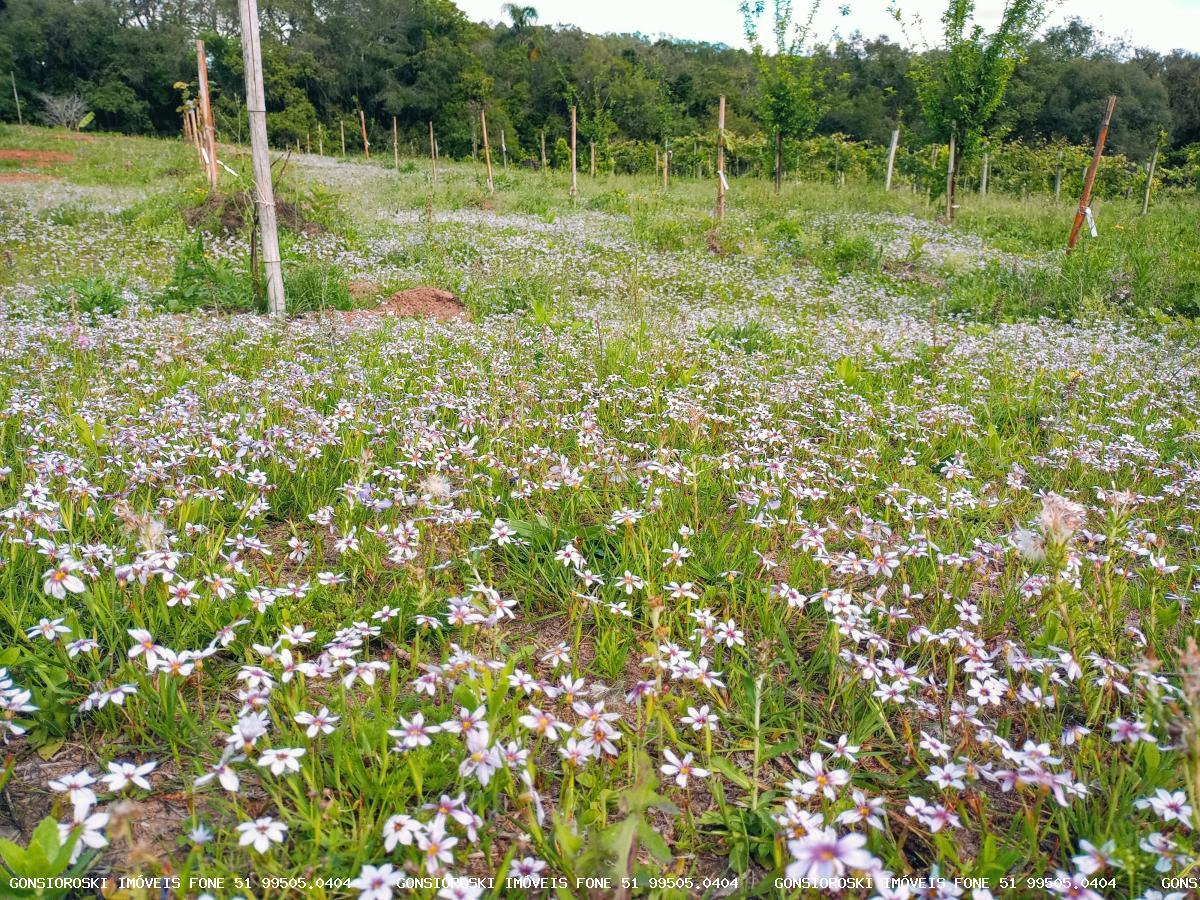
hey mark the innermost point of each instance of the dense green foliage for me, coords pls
(422, 61)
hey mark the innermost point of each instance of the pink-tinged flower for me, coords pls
(436, 845)
(58, 581)
(261, 833)
(541, 722)
(822, 780)
(1168, 806)
(481, 760)
(401, 830)
(824, 855)
(1073, 886)
(322, 722)
(1092, 858)
(122, 774)
(89, 830)
(681, 769)
(1124, 730)
(282, 760)
(144, 646)
(865, 809)
(413, 733)
(376, 882)
(78, 789)
(47, 629)
(700, 718)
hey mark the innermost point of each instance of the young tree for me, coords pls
(789, 101)
(961, 86)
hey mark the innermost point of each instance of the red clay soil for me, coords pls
(14, 177)
(422, 302)
(360, 290)
(35, 157)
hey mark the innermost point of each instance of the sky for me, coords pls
(1163, 25)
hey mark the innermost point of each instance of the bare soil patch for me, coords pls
(423, 301)
(35, 157)
(360, 290)
(17, 177)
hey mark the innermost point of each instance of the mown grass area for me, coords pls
(827, 542)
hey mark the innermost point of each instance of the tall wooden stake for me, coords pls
(891, 164)
(432, 152)
(198, 138)
(666, 169)
(721, 159)
(950, 181)
(504, 149)
(1150, 175)
(320, 139)
(544, 161)
(487, 151)
(778, 160)
(593, 149)
(983, 176)
(574, 135)
(264, 193)
(17, 97)
(342, 131)
(395, 146)
(210, 137)
(1089, 177)
(362, 118)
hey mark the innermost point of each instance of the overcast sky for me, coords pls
(1161, 24)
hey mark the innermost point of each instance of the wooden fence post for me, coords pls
(983, 176)
(574, 136)
(1150, 175)
(487, 151)
(342, 130)
(504, 149)
(1058, 177)
(362, 118)
(432, 152)
(320, 139)
(544, 162)
(210, 136)
(16, 97)
(721, 159)
(264, 192)
(666, 168)
(1089, 177)
(891, 163)
(395, 147)
(950, 181)
(592, 147)
(778, 160)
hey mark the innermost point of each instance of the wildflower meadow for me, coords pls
(825, 550)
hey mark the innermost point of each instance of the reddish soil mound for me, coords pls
(13, 177)
(423, 302)
(35, 157)
(362, 289)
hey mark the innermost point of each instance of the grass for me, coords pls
(826, 476)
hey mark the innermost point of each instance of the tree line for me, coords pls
(132, 63)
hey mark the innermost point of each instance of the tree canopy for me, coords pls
(424, 60)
